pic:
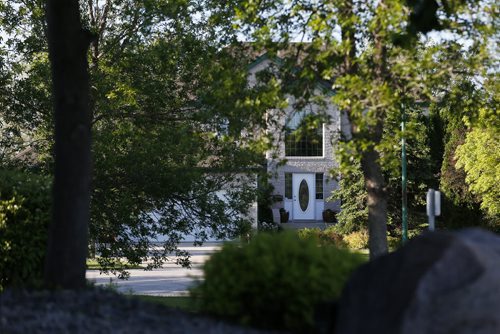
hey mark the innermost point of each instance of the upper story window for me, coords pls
(304, 135)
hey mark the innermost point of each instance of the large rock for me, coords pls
(99, 311)
(437, 283)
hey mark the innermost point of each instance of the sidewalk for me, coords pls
(172, 280)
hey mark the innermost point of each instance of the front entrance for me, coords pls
(304, 194)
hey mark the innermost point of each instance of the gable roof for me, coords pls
(323, 85)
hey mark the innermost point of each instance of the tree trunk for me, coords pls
(67, 246)
(377, 203)
(348, 35)
(374, 179)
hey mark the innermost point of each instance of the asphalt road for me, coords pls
(172, 280)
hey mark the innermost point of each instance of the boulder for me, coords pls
(440, 282)
(100, 311)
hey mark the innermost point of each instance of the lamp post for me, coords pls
(404, 202)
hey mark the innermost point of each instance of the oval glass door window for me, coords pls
(303, 195)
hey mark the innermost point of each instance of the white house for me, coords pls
(300, 165)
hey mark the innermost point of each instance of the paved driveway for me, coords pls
(172, 280)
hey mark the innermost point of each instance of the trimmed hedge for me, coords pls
(275, 281)
(24, 219)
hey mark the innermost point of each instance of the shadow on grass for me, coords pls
(184, 303)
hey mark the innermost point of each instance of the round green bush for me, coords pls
(24, 219)
(275, 281)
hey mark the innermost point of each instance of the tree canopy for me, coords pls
(380, 61)
(173, 120)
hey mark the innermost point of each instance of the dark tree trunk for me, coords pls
(372, 171)
(377, 203)
(348, 35)
(67, 246)
(374, 178)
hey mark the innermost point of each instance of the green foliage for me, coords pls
(377, 58)
(433, 146)
(352, 195)
(269, 227)
(394, 242)
(24, 219)
(420, 169)
(326, 237)
(330, 236)
(479, 156)
(171, 114)
(275, 281)
(170, 103)
(264, 201)
(357, 240)
(460, 206)
(465, 108)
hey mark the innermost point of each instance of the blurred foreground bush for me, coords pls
(24, 218)
(275, 281)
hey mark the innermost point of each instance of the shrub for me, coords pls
(332, 237)
(24, 219)
(275, 281)
(357, 240)
(329, 236)
(309, 233)
(270, 227)
(393, 243)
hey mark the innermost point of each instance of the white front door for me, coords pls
(304, 194)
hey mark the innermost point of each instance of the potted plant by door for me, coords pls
(329, 216)
(284, 215)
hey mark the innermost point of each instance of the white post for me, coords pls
(437, 203)
(430, 209)
(433, 207)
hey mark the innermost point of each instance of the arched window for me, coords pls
(304, 135)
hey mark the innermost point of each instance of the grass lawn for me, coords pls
(184, 303)
(92, 264)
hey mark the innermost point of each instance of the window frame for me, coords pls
(321, 132)
(320, 184)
